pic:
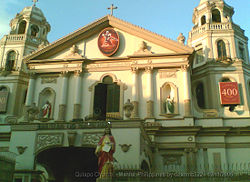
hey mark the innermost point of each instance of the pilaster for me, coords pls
(150, 94)
(187, 90)
(31, 88)
(63, 99)
(135, 97)
(77, 99)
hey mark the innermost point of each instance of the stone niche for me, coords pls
(46, 95)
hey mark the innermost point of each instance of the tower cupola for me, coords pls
(31, 22)
(214, 35)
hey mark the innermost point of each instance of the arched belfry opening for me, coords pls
(203, 20)
(22, 27)
(106, 99)
(216, 16)
(69, 164)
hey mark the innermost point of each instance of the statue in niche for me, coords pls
(46, 110)
(169, 105)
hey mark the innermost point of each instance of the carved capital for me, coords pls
(77, 73)
(32, 75)
(149, 68)
(64, 73)
(134, 69)
(185, 68)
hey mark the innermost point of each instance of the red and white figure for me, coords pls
(108, 41)
(46, 109)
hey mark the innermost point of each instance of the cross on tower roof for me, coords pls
(34, 1)
(112, 7)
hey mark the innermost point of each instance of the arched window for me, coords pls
(225, 79)
(107, 99)
(221, 48)
(22, 27)
(200, 95)
(241, 51)
(203, 20)
(216, 18)
(3, 89)
(34, 30)
(11, 57)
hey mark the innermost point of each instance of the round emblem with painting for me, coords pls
(108, 41)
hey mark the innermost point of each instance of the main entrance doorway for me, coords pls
(69, 164)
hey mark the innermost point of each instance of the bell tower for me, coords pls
(29, 30)
(221, 55)
(215, 36)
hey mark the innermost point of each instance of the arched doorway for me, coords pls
(69, 164)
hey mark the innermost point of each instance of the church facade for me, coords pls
(171, 107)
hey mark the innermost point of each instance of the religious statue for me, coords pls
(104, 151)
(46, 110)
(169, 105)
(181, 38)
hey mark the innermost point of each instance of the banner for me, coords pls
(229, 93)
(3, 101)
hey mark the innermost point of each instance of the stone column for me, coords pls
(191, 165)
(30, 92)
(63, 99)
(186, 90)
(30, 95)
(149, 94)
(228, 50)
(77, 99)
(135, 97)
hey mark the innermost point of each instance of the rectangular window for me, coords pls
(241, 51)
(18, 180)
(199, 56)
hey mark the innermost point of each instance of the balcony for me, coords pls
(215, 27)
(19, 38)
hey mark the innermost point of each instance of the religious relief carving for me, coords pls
(44, 141)
(48, 80)
(74, 53)
(172, 159)
(143, 49)
(91, 139)
(170, 74)
(4, 93)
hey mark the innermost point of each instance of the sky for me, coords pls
(165, 17)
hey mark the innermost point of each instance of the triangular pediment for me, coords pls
(63, 46)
